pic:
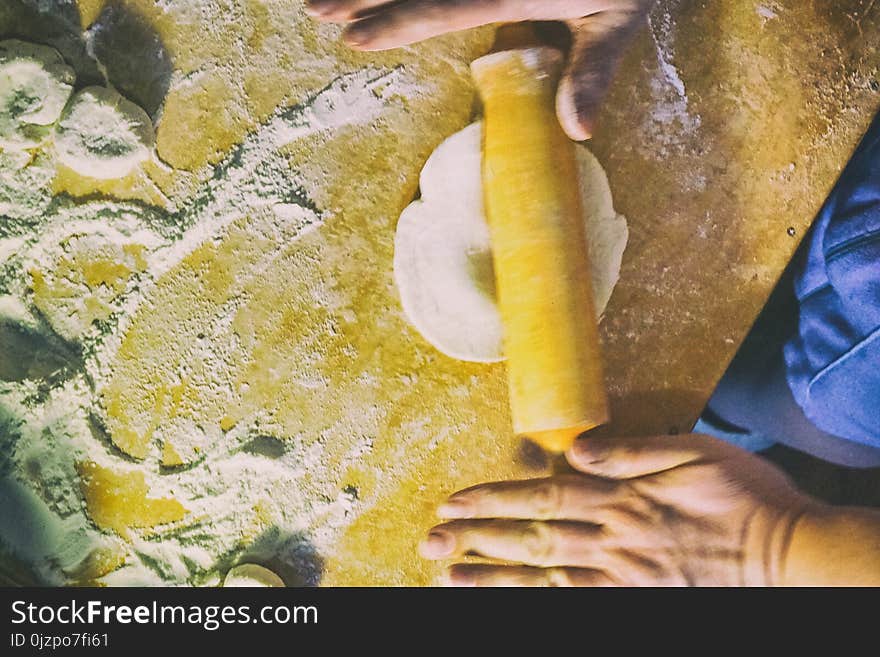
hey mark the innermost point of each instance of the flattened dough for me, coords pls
(102, 135)
(35, 84)
(443, 258)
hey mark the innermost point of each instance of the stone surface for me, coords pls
(727, 126)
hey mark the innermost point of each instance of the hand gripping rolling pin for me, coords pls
(541, 259)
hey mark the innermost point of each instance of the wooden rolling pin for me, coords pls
(542, 267)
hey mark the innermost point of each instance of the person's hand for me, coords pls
(670, 510)
(600, 31)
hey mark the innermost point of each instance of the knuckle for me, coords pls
(557, 578)
(547, 499)
(537, 541)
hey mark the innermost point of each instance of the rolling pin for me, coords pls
(539, 244)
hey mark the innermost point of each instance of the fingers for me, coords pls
(481, 575)
(628, 458)
(485, 11)
(625, 570)
(532, 543)
(404, 23)
(598, 45)
(383, 25)
(570, 497)
(341, 10)
(603, 566)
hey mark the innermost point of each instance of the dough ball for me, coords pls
(250, 575)
(443, 257)
(35, 84)
(103, 135)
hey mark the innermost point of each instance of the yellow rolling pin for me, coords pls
(533, 204)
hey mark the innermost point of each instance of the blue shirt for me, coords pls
(833, 362)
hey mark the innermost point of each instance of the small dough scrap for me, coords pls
(119, 501)
(35, 84)
(443, 257)
(100, 561)
(251, 575)
(102, 135)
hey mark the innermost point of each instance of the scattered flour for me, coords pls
(767, 12)
(249, 496)
(671, 119)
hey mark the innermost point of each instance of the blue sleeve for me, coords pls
(833, 362)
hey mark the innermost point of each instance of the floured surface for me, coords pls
(220, 369)
(728, 124)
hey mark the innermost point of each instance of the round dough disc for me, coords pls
(35, 84)
(443, 257)
(250, 575)
(103, 135)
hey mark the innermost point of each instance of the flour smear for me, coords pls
(49, 419)
(671, 120)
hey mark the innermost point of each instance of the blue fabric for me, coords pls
(833, 362)
(748, 440)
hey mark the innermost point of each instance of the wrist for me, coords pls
(768, 540)
(834, 546)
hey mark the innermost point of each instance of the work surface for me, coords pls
(727, 126)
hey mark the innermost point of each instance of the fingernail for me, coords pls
(589, 451)
(439, 544)
(358, 34)
(574, 119)
(461, 578)
(321, 7)
(455, 508)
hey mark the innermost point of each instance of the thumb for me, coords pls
(628, 458)
(598, 44)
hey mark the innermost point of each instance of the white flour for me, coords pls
(49, 423)
(767, 12)
(671, 115)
